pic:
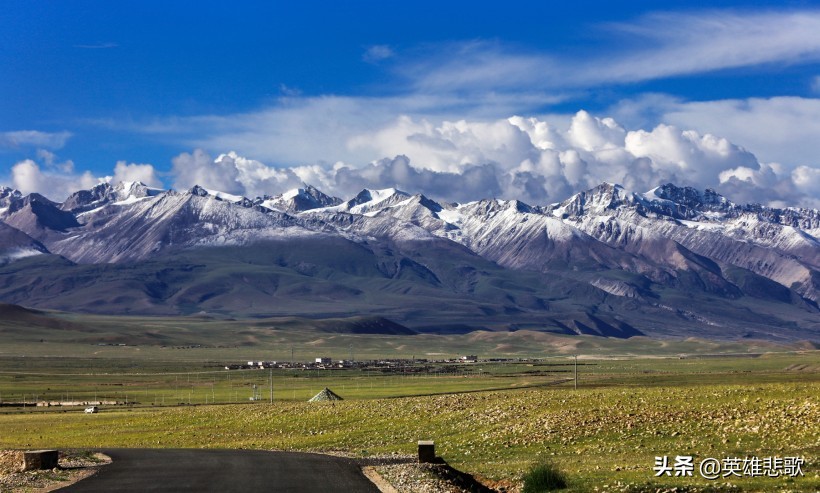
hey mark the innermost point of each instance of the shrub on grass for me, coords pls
(542, 477)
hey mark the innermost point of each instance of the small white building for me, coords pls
(470, 358)
(323, 361)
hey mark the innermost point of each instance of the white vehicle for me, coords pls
(91, 409)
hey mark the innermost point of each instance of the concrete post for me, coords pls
(427, 452)
(40, 459)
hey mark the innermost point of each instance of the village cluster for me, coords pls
(412, 365)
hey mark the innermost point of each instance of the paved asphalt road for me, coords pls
(244, 471)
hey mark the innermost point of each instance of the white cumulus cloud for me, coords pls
(58, 180)
(198, 168)
(233, 174)
(538, 160)
(525, 158)
(144, 173)
(782, 129)
(807, 180)
(27, 177)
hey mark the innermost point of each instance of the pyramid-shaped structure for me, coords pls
(326, 395)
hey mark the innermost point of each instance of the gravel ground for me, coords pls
(403, 474)
(416, 478)
(74, 466)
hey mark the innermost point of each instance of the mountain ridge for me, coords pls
(649, 251)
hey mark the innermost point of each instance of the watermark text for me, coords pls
(728, 467)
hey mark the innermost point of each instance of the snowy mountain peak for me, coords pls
(519, 206)
(135, 189)
(98, 196)
(428, 203)
(300, 199)
(7, 195)
(375, 196)
(218, 195)
(690, 197)
(129, 192)
(600, 200)
(198, 191)
(379, 195)
(8, 192)
(610, 242)
(368, 200)
(85, 200)
(292, 194)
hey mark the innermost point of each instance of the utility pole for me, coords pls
(271, 385)
(576, 372)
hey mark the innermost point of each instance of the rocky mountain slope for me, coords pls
(607, 261)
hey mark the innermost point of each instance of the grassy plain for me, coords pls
(637, 398)
(606, 434)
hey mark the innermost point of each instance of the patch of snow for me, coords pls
(333, 208)
(652, 196)
(379, 195)
(250, 236)
(714, 216)
(224, 196)
(400, 204)
(559, 230)
(154, 191)
(92, 211)
(130, 200)
(272, 204)
(701, 226)
(370, 213)
(291, 194)
(451, 216)
(376, 197)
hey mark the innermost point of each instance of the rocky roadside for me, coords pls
(417, 478)
(74, 466)
(396, 473)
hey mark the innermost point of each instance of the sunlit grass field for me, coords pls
(605, 434)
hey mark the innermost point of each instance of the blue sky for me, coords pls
(725, 97)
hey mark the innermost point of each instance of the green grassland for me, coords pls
(598, 436)
(149, 382)
(625, 412)
(636, 399)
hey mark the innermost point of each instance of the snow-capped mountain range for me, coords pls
(648, 250)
